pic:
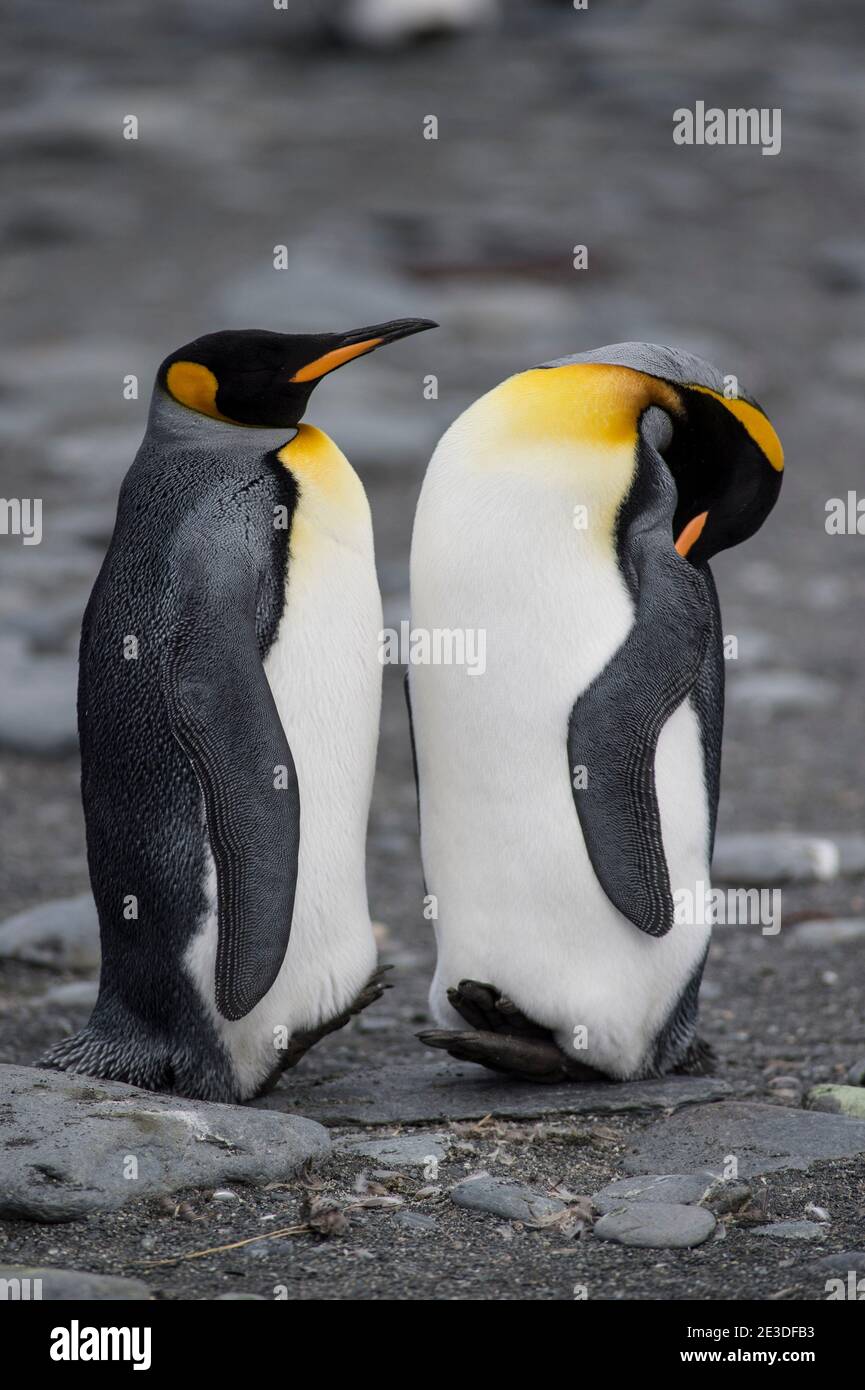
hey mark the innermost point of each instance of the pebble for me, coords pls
(762, 1138)
(856, 1074)
(791, 1230)
(656, 1225)
(837, 932)
(677, 1188)
(67, 1140)
(401, 1151)
(843, 1261)
(63, 933)
(72, 1285)
(240, 1298)
(415, 1221)
(787, 1088)
(772, 858)
(837, 1100)
(501, 1197)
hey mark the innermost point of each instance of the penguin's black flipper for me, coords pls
(223, 714)
(615, 724)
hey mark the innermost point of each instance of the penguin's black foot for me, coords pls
(699, 1060)
(300, 1043)
(503, 1039)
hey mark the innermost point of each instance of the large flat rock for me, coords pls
(762, 1138)
(70, 1145)
(429, 1092)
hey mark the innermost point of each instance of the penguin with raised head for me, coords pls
(568, 795)
(228, 713)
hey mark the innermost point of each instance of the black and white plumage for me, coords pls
(228, 714)
(569, 794)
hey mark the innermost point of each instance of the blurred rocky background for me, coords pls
(304, 127)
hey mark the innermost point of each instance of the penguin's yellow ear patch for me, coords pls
(758, 426)
(195, 386)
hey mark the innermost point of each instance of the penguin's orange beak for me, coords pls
(322, 365)
(359, 342)
(691, 533)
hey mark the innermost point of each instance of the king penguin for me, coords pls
(568, 795)
(228, 711)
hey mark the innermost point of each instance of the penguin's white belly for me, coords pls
(518, 902)
(325, 676)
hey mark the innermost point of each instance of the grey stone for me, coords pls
(66, 1141)
(429, 1092)
(656, 1225)
(63, 933)
(766, 860)
(680, 1188)
(782, 692)
(762, 1138)
(836, 932)
(240, 1298)
(401, 1151)
(37, 705)
(791, 1230)
(62, 1285)
(502, 1197)
(415, 1221)
(843, 1261)
(837, 1100)
(856, 1074)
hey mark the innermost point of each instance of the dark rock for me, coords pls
(762, 1138)
(501, 1197)
(791, 1230)
(415, 1221)
(674, 1188)
(70, 1145)
(401, 1151)
(430, 1092)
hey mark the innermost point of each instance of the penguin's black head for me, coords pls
(253, 377)
(718, 444)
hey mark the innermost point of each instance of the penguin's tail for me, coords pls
(118, 1049)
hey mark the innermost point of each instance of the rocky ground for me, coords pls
(553, 130)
